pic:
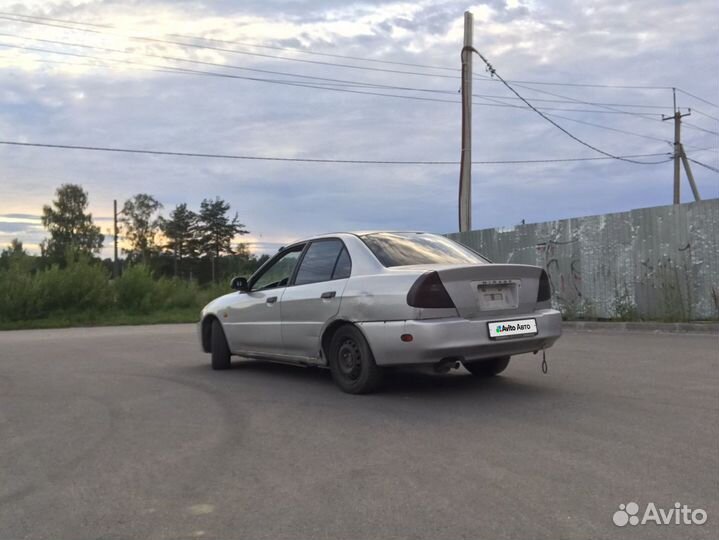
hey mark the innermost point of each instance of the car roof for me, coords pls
(353, 233)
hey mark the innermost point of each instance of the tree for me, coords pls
(70, 227)
(180, 230)
(216, 229)
(141, 225)
(14, 249)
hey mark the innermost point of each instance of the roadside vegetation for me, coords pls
(169, 269)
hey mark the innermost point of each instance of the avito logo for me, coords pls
(628, 514)
(512, 327)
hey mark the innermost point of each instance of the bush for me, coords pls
(81, 286)
(173, 293)
(135, 290)
(18, 298)
(82, 292)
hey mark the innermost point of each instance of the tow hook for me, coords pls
(545, 368)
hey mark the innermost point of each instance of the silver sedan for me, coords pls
(358, 303)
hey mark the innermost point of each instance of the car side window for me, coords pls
(280, 272)
(319, 261)
(343, 267)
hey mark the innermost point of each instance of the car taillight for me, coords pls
(545, 291)
(428, 292)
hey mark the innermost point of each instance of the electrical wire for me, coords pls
(227, 75)
(37, 20)
(694, 109)
(699, 128)
(186, 71)
(703, 165)
(555, 124)
(697, 97)
(325, 81)
(307, 160)
(245, 44)
(234, 51)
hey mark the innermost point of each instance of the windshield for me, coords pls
(401, 249)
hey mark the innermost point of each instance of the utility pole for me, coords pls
(115, 262)
(680, 157)
(465, 167)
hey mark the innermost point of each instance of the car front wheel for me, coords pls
(352, 363)
(220, 350)
(487, 367)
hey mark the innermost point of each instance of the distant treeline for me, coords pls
(170, 266)
(186, 244)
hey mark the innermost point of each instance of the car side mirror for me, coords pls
(239, 284)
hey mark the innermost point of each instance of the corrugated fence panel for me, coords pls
(657, 263)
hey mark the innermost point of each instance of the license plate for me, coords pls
(497, 294)
(505, 329)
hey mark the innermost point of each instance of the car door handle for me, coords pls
(328, 294)
(271, 300)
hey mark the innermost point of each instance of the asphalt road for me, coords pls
(126, 433)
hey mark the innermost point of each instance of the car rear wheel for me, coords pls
(220, 350)
(487, 367)
(352, 363)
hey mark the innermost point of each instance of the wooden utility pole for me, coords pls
(115, 262)
(465, 167)
(680, 157)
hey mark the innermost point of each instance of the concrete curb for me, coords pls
(651, 327)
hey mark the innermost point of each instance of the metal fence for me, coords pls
(657, 263)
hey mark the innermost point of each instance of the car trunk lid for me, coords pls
(489, 290)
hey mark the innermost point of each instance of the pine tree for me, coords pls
(217, 230)
(180, 230)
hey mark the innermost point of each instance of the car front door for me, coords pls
(314, 297)
(253, 321)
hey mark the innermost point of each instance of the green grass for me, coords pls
(106, 318)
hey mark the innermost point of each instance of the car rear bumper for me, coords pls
(436, 339)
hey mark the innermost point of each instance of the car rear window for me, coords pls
(319, 261)
(402, 249)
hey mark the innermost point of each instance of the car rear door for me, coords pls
(314, 296)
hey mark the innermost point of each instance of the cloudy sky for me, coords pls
(97, 84)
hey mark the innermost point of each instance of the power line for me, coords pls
(697, 97)
(699, 128)
(600, 126)
(694, 109)
(37, 20)
(303, 84)
(234, 51)
(555, 124)
(247, 44)
(310, 160)
(325, 81)
(289, 74)
(228, 66)
(580, 85)
(703, 165)
(227, 75)
(607, 106)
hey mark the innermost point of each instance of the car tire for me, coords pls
(220, 350)
(351, 362)
(488, 367)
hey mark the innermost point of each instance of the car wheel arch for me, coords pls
(207, 332)
(330, 330)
